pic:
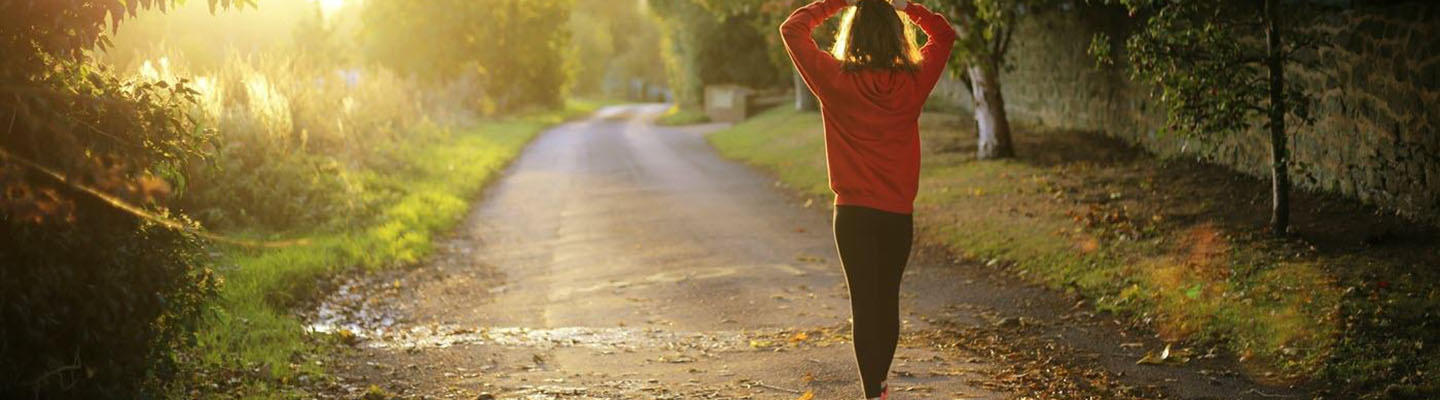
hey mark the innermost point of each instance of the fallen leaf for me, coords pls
(799, 337)
(1168, 355)
(1150, 358)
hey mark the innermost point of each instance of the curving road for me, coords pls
(617, 259)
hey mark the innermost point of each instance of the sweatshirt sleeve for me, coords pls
(818, 68)
(937, 50)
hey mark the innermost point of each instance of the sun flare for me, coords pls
(330, 7)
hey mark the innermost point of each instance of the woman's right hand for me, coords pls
(900, 4)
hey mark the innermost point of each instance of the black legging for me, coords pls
(874, 247)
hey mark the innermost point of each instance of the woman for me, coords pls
(871, 88)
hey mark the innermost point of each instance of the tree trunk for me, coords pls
(804, 99)
(1279, 150)
(993, 126)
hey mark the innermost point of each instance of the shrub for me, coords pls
(515, 50)
(93, 299)
(95, 311)
(292, 136)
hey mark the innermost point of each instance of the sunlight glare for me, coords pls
(329, 7)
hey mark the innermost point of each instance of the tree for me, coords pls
(766, 15)
(987, 28)
(1218, 66)
(515, 48)
(718, 41)
(617, 45)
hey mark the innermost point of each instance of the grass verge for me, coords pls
(1176, 245)
(253, 346)
(677, 116)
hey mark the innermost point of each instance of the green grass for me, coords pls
(1166, 242)
(796, 154)
(253, 331)
(680, 116)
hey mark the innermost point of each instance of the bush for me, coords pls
(292, 136)
(93, 299)
(95, 311)
(512, 49)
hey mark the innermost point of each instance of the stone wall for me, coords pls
(1376, 87)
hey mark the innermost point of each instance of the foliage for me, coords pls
(252, 143)
(986, 29)
(765, 17)
(1206, 62)
(67, 111)
(706, 45)
(616, 49)
(73, 125)
(1219, 65)
(678, 21)
(515, 49)
(290, 130)
(295, 118)
(677, 116)
(209, 39)
(424, 189)
(96, 311)
(120, 137)
(1148, 239)
(360, 162)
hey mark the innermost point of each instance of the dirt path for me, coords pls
(621, 260)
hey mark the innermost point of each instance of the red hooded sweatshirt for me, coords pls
(872, 129)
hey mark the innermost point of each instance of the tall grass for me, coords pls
(365, 166)
(255, 329)
(295, 140)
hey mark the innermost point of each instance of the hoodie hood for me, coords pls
(886, 91)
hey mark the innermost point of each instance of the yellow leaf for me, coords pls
(799, 337)
(809, 395)
(1150, 359)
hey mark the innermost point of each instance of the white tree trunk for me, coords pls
(990, 120)
(804, 99)
(1279, 149)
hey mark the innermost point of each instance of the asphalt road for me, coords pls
(617, 259)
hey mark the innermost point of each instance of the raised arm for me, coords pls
(816, 66)
(937, 50)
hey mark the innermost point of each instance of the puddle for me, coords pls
(366, 308)
(650, 389)
(351, 308)
(359, 307)
(617, 339)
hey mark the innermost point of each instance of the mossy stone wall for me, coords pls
(1376, 86)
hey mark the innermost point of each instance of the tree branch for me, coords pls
(1004, 44)
(965, 78)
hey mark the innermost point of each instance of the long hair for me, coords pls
(872, 35)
